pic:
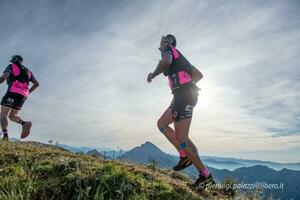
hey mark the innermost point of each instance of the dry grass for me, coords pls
(31, 170)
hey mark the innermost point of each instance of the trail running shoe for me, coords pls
(26, 129)
(183, 163)
(202, 182)
(5, 137)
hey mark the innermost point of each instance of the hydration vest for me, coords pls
(19, 80)
(180, 71)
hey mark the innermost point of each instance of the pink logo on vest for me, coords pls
(183, 76)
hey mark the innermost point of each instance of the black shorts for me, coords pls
(13, 100)
(183, 102)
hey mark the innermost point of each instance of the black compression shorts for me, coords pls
(183, 103)
(13, 100)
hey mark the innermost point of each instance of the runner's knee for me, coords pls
(161, 129)
(159, 123)
(11, 117)
(161, 126)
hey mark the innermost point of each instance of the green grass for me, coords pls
(31, 170)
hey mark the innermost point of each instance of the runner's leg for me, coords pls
(163, 124)
(4, 123)
(182, 127)
(13, 116)
(26, 126)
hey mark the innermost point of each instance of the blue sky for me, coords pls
(92, 58)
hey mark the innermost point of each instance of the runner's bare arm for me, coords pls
(4, 77)
(35, 84)
(162, 66)
(196, 75)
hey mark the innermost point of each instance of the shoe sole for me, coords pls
(202, 186)
(26, 130)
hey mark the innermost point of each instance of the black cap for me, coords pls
(172, 39)
(16, 59)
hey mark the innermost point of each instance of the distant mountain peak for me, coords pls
(148, 152)
(151, 148)
(94, 152)
(149, 145)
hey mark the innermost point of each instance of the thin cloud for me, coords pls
(92, 59)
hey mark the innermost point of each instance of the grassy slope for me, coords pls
(31, 170)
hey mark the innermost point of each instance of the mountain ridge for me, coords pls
(250, 175)
(216, 162)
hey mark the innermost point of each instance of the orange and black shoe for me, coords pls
(202, 182)
(183, 163)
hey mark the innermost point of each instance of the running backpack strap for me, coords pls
(15, 69)
(175, 53)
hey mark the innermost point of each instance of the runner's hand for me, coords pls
(150, 77)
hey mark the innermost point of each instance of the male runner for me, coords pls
(17, 77)
(182, 79)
